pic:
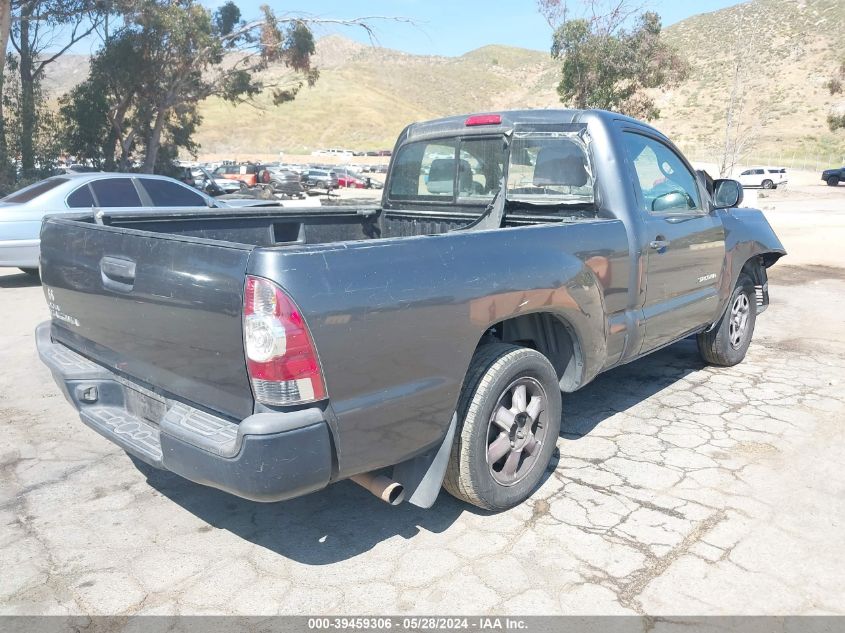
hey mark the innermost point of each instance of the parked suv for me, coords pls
(320, 179)
(833, 176)
(250, 174)
(764, 177)
(286, 182)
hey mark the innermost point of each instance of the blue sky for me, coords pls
(454, 27)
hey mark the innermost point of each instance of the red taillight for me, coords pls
(280, 355)
(483, 119)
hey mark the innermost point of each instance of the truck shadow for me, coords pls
(344, 521)
(624, 387)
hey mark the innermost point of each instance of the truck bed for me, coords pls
(327, 225)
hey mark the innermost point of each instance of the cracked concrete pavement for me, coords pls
(678, 489)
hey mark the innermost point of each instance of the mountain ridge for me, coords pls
(367, 94)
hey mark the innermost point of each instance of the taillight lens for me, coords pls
(280, 355)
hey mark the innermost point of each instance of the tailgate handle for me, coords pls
(117, 274)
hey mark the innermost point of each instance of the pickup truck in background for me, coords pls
(834, 176)
(420, 343)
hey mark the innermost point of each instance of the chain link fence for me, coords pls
(789, 160)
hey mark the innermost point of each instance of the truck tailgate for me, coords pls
(160, 309)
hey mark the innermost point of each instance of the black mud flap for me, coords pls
(423, 475)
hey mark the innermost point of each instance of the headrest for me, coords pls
(441, 176)
(560, 164)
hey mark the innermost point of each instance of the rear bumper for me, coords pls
(266, 457)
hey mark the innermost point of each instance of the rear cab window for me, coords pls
(550, 168)
(465, 171)
(546, 168)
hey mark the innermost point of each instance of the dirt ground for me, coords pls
(679, 489)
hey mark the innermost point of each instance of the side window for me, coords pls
(667, 186)
(164, 193)
(116, 192)
(81, 198)
(747, 172)
(425, 170)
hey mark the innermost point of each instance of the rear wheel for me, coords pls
(727, 343)
(509, 411)
(767, 184)
(833, 181)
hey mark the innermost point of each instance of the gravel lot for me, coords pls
(679, 489)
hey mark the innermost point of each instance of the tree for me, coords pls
(5, 30)
(607, 65)
(38, 26)
(741, 130)
(171, 56)
(836, 86)
(43, 143)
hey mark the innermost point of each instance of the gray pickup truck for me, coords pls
(421, 343)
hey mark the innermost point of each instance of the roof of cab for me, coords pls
(452, 125)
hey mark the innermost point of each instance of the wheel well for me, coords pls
(551, 336)
(754, 268)
(757, 265)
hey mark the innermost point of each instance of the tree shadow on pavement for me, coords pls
(19, 280)
(344, 521)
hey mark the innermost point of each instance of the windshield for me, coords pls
(549, 168)
(33, 191)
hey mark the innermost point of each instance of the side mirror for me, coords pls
(727, 194)
(671, 200)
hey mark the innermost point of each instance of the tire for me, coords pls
(767, 184)
(32, 272)
(496, 374)
(727, 343)
(833, 181)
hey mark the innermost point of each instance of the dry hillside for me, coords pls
(365, 94)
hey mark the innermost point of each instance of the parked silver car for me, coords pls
(21, 212)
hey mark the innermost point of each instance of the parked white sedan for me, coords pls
(21, 212)
(763, 177)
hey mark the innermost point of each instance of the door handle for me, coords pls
(659, 245)
(117, 274)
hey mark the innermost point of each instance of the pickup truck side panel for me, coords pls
(396, 321)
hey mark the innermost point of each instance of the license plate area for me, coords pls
(143, 403)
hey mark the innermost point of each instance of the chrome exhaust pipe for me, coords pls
(384, 488)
